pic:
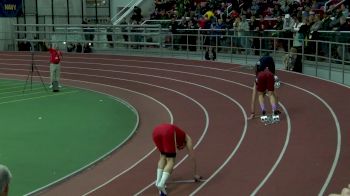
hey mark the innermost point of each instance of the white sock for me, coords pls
(159, 175)
(163, 180)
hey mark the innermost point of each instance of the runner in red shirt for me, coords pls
(169, 138)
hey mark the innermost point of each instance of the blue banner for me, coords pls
(10, 8)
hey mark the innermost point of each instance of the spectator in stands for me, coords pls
(192, 38)
(289, 60)
(263, 25)
(315, 27)
(298, 35)
(243, 28)
(279, 24)
(136, 30)
(288, 24)
(342, 50)
(335, 19)
(314, 35)
(173, 27)
(247, 13)
(70, 47)
(254, 31)
(183, 38)
(125, 30)
(254, 8)
(5, 178)
(88, 30)
(79, 48)
(110, 33)
(87, 48)
(326, 21)
(220, 31)
(201, 22)
(278, 27)
(136, 15)
(236, 39)
(209, 39)
(277, 11)
(345, 10)
(315, 5)
(24, 46)
(344, 25)
(209, 14)
(298, 41)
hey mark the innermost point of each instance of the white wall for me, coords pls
(6, 33)
(60, 11)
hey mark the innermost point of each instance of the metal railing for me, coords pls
(328, 58)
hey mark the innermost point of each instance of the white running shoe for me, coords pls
(162, 189)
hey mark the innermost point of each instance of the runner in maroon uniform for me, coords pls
(169, 138)
(265, 82)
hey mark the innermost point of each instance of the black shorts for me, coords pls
(170, 155)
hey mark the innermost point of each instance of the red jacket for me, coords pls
(55, 56)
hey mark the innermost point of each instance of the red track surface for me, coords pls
(307, 153)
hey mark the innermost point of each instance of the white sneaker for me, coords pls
(50, 86)
(59, 86)
(275, 118)
(162, 189)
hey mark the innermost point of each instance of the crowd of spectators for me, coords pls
(300, 20)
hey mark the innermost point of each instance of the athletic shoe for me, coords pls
(277, 112)
(161, 193)
(50, 86)
(162, 190)
(59, 86)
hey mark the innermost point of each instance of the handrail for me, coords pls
(154, 26)
(336, 6)
(127, 11)
(227, 9)
(128, 6)
(325, 5)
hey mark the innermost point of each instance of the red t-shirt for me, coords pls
(55, 56)
(164, 138)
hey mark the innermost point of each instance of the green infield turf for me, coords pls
(45, 136)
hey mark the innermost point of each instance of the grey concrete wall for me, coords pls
(6, 33)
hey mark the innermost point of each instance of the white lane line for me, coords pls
(17, 91)
(287, 136)
(198, 142)
(240, 106)
(275, 165)
(338, 148)
(245, 116)
(126, 139)
(226, 70)
(38, 97)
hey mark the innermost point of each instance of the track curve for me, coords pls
(306, 154)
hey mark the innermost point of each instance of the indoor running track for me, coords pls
(307, 153)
